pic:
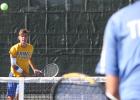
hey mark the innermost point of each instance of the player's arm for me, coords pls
(14, 64)
(109, 57)
(35, 70)
(112, 86)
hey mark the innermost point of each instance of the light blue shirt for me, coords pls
(121, 50)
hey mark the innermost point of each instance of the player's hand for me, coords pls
(37, 72)
(21, 71)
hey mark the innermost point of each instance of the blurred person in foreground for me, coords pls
(21, 61)
(120, 57)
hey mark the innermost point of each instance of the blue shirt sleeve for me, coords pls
(108, 63)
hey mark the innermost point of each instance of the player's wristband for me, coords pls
(18, 69)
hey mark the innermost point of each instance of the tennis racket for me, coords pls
(50, 70)
(77, 86)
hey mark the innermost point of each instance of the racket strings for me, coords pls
(50, 70)
(72, 91)
(83, 88)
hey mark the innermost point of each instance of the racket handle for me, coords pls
(110, 97)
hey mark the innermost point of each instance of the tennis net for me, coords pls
(34, 88)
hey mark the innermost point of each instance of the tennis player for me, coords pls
(21, 59)
(120, 58)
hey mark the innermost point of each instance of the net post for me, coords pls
(21, 88)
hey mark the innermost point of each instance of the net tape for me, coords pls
(41, 79)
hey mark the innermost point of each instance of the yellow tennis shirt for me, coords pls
(22, 55)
